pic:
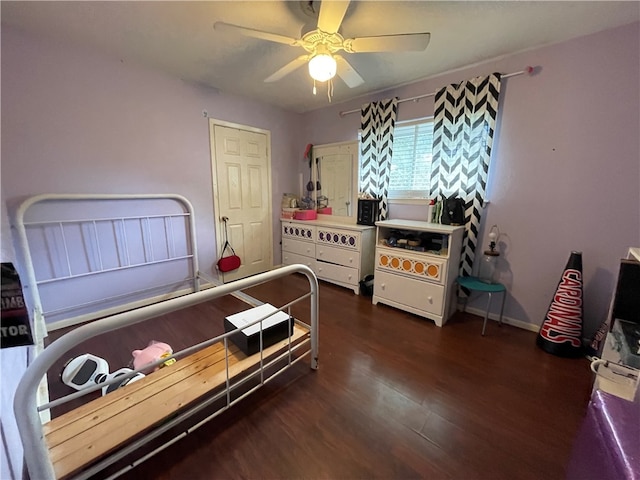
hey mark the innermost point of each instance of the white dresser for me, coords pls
(337, 252)
(420, 282)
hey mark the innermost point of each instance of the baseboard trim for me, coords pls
(506, 320)
(87, 317)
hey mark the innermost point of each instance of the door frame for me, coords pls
(213, 122)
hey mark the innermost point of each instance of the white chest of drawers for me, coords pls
(414, 281)
(337, 252)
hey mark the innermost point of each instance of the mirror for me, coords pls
(335, 170)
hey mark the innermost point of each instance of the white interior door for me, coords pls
(242, 193)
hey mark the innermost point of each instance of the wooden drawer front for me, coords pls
(297, 246)
(348, 258)
(340, 238)
(289, 258)
(401, 261)
(300, 232)
(408, 291)
(336, 273)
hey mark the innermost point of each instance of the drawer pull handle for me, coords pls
(430, 299)
(349, 277)
(383, 286)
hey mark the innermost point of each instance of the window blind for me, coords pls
(411, 160)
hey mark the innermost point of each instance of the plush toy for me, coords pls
(153, 352)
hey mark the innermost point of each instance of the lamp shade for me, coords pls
(322, 67)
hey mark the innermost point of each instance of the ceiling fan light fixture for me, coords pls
(322, 67)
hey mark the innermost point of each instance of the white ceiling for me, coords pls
(178, 38)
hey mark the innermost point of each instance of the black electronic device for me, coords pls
(275, 327)
(626, 300)
(368, 211)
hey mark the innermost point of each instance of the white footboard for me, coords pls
(35, 438)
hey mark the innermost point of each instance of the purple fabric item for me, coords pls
(608, 444)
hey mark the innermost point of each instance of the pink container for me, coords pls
(306, 215)
(288, 213)
(325, 211)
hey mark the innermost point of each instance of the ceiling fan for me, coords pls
(323, 43)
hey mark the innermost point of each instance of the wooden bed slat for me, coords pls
(67, 425)
(83, 435)
(101, 409)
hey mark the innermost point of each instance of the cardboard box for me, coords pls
(274, 328)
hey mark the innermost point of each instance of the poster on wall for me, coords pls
(15, 326)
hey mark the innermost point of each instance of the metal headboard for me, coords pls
(107, 245)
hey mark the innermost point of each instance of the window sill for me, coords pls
(409, 201)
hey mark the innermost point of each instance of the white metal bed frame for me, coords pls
(32, 284)
(30, 412)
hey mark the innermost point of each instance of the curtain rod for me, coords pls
(527, 70)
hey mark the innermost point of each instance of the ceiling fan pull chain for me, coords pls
(314, 86)
(330, 89)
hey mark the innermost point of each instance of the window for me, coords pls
(411, 159)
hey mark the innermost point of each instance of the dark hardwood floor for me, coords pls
(394, 397)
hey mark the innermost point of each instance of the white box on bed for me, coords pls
(274, 328)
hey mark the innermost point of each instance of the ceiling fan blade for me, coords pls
(250, 32)
(404, 42)
(347, 73)
(287, 69)
(331, 15)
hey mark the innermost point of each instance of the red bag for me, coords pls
(232, 262)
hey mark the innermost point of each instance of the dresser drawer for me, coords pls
(414, 265)
(289, 258)
(337, 237)
(348, 258)
(336, 273)
(298, 246)
(414, 293)
(299, 232)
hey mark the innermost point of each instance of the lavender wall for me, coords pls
(75, 122)
(565, 174)
(566, 168)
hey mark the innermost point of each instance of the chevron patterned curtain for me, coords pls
(377, 120)
(464, 123)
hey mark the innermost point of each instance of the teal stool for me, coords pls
(476, 285)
